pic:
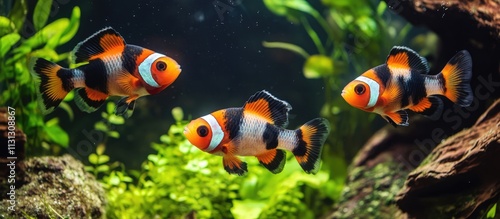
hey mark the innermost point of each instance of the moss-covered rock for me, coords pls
(53, 187)
(370, 193)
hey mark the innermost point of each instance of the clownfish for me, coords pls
(258, 129)
(403, 83)
(112, 68)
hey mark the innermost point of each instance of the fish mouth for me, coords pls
(343, 93)
(186, 130)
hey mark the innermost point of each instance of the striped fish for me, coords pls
(403, 83)
(258, 129)
(112, 68)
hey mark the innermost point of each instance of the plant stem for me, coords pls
(287, 46)
(314, 36)
(324, 24)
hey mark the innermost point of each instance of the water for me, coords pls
(150, 170)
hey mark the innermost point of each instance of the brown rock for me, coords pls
(461, 177)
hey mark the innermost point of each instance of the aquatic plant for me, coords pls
(351, 37)
(20, 40)
(492, 212)
(99, 162)
(180, 179)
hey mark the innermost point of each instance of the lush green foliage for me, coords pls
(181, 179)
(17, 46)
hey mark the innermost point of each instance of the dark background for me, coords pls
(222, 58)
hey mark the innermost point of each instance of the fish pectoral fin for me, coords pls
(272, 109)
(432, 107)
(127, 82)
(406, 58)
(125, 106)
(98, 45)
(89, 100)
(421, 106)
(397, 118)
(274, 160)
(436, 109)
(234, 165)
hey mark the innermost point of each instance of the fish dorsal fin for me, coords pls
(406, 58)
(274, 110)
(103, 42)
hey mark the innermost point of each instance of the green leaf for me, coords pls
(492, 212)
(336, 3)
(22, 73)
(100, 126)
(165, 139)
(18, 14)
(52, 122)
(381, 8)
(287, 46)
(41, 13)
(45, 34)
(102, 168)
(114, 134)
(74, 23)
(247, 208)
(317, 66)
(70, 96)
(89, 168)
(300, 5)
(114, 180)
(6, 26)
(100, 149)
(178, 114)
(102, 159)
(117, 120)
(367, 25)
(110, 108)
(93, 158)
(46, 53)
(56, 134)
(290, 8)
(7, 41)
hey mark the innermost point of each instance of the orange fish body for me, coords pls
(257, 129)
(403, 83)
(113, 68)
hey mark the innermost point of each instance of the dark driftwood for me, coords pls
(478, 19)
(461, 177)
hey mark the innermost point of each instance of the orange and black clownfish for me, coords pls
(113, 68)
(403, 83)
(257, 129)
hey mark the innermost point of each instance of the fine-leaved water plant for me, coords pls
(180, 180)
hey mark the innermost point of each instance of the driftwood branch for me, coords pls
(461, 177)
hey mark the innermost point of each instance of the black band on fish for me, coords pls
(233, 117)
(270, 136)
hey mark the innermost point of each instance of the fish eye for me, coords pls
(202, 131)
(161, 66)
(359, 89)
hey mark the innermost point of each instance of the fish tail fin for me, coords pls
(457, 75)
(311, 137)
(53, 83)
